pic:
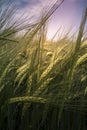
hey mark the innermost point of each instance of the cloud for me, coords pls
(26, 3)
(33, 8)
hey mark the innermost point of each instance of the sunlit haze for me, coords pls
(67, 16)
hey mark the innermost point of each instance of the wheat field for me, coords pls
(43, 84)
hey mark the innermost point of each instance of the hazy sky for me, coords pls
(67, 15)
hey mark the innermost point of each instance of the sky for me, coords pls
(67, 16)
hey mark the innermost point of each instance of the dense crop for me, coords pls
(43, 85)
